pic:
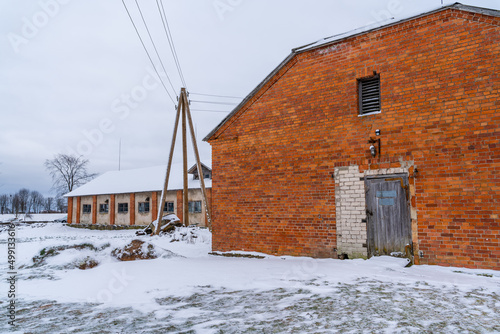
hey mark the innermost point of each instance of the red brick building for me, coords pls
(379, 141)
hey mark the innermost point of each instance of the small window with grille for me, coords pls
(122, 207)
(87, 208)
(194, 207)
(369, 95)
(169, 207)
(143, 207)
(103, 208)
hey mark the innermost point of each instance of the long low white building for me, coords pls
(132, 197)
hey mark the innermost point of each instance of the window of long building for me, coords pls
(87, 208)
(169, 207)
(103, 208)
(122, 207)
(194, 206)
(143, 207)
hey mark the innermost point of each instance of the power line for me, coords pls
(227, 96)
(154, 45)
(149, 56)
(170, 40)
(225, 111)
(213, 102)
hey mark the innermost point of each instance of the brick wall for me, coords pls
(85, 218)
(273, 161)
(95, 208)
(103, 218)
(133, 216)
(70, 210)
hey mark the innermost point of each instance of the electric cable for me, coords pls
(213, 102)
(154, 45)
(207, 110)
(226, 96)
(147, 52)
(170, 39)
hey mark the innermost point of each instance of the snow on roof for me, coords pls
(137, 180)
(390, 22)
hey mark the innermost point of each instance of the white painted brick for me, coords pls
(350, 209)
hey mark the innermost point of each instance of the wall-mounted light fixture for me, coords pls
(415, 172)
(147, 199)
(106, 201)
(373, 149)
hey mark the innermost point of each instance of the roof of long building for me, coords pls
(137, 180)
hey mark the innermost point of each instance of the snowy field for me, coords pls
(35, 217)
(185, 290)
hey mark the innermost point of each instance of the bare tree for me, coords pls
(36, 201)
(16, 204)
(23, 197)
(68, 172)
(4, 203)
(49, 201)
(9, 204)
(61, 204)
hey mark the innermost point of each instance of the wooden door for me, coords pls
(388, 219)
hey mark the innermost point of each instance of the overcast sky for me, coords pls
(76, 79)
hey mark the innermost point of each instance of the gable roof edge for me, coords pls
(251, 95)
(370, 28)
(340, 37)
(195, 168)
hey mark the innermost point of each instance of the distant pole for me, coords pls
(119, 153)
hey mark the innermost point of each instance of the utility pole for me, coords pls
(184, 113)
(185, 199)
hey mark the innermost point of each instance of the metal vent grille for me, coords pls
(369, 95)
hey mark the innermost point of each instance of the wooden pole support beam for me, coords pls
(198, 162)
(169, 165)
(184, 160)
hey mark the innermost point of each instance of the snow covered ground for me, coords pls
(35, 217)
(185, 290)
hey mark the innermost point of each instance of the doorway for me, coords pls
(388, 218)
